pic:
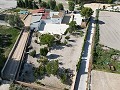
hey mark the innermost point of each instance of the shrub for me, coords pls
(66, 31)
(44, 51)
(33, 53)
(67, 37)
(63, 78)
(52, 67)
(47, 39)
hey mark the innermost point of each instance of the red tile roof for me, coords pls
(45, 15)
(41, 10)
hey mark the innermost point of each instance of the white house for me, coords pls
(57, 17)
(35, 21)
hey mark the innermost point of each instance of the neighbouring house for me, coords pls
(57, 17)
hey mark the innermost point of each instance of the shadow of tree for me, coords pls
(53, 56)
(57, 47)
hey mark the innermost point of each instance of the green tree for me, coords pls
(11, 20)
(40, 1)
(41, 70)
(56, 8)
(67, 37)
(47, 6)
(43, 4)
(43, 60)
(30, 4)
(60, 6)
(64, 78)
(52, 4)
(17, 21)
(110, 1)
(33, 53)
(72, 26)
(44, 51)
(23, 4)
(35, 5)
(86, 12)
(71, 5)
(47, 39)
(52, 67)
(26, 3)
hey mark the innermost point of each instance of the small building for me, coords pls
(57, 17)
(35, 21)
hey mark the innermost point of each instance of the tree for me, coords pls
(52, 67)
(47, 6)
(47, 39)
(44, 51)
(21, 3)
(110, 1)
(56, 8)
(43, 60)
(60, 6)
(52, 4)
(86, 12)
(34, 5)
(41, 70)
(72, 26)
(17, 21)
(30, 4)
(67, 37)
(26, 3)
(14, 20)
(43, 4)
(33, 53)
(64, 78)
(40, 1)
(71, 5)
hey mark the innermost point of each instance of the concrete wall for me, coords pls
(35, 26)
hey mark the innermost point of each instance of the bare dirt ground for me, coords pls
(95, 6)
(68, 56)
(109, 29)
(105, 81)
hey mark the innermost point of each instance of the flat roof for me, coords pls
(36, 18)
(53, 28)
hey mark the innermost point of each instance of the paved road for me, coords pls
(13, 63)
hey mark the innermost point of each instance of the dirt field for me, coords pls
(105, 81)
(109, 29)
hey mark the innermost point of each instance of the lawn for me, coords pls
(103, 59)
(8, 36)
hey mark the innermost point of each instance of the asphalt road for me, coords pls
(13, 63)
